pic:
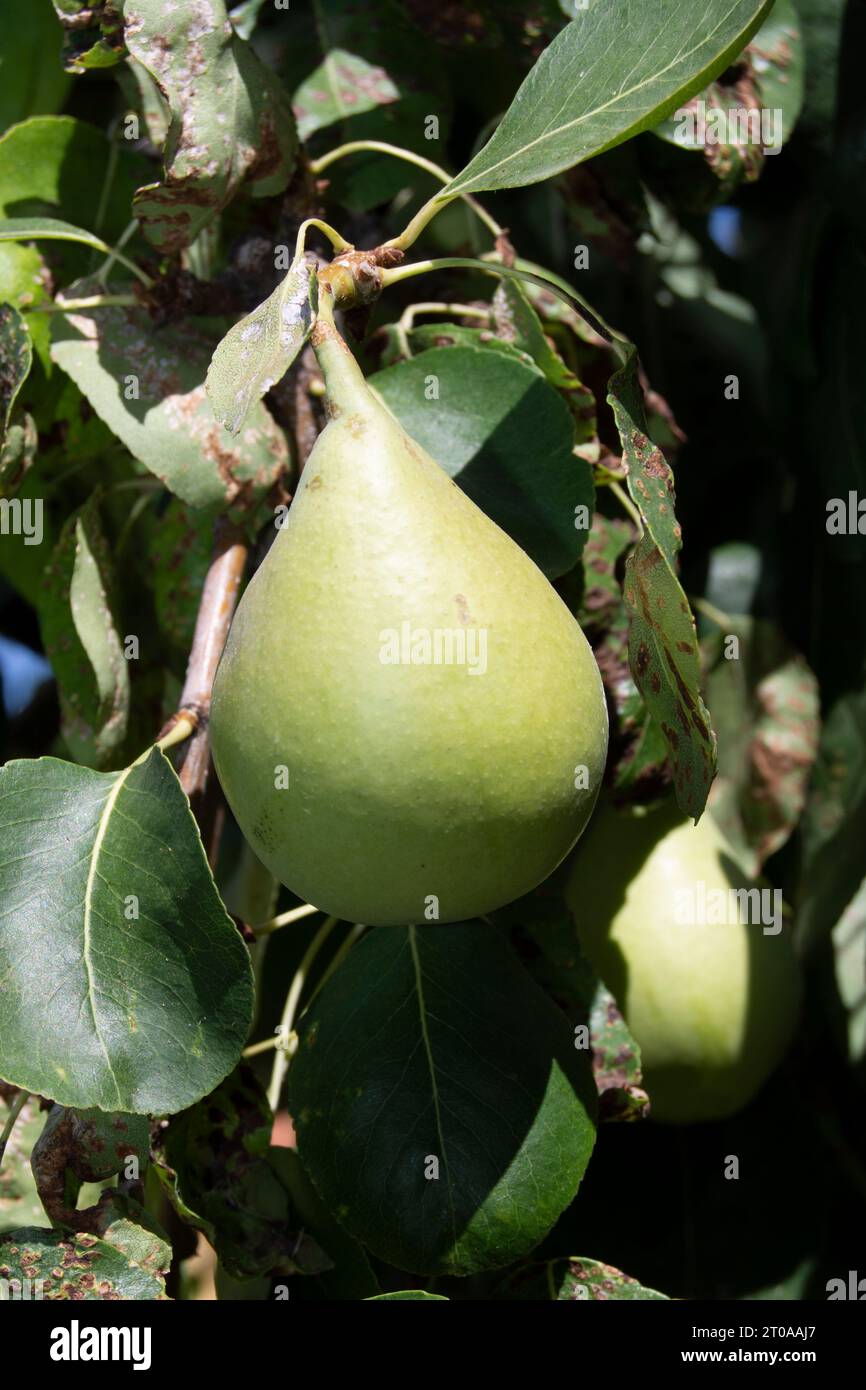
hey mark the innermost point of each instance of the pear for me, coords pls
(407, 722)
(712, 1003)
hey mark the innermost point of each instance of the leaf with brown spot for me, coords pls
(573, 1280)
(662, 638)
(77, 1267)
(231, 122)
(148, 385)
(767, 709)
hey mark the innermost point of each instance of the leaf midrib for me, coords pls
(431, 1066)
(88, 902)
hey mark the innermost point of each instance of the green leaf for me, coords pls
(663, 645)
(147, 384)
(443, 1124)
(16, 356)
(19, 1200)
(234, 128)
(47, 229)
(31, 80)
(59, 164)
(617, 69)
(80, 1267)
(416, 1295)
(506, 437)
(573, 1280)
(143, 1014)
(214, 1165)
(83, 643)
(258, 351)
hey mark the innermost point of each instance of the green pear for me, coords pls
(712, 1003)
(407, 722)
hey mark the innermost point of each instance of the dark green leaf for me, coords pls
(143, 1013)
(231, 122)
(446, 1126)
(83, 643)
(617, 69)
(32, 82)
(503, 433)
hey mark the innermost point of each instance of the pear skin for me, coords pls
(711, 1003)
(407, 722)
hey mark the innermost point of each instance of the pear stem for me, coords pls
(285, 919)
(553, 286)
(343, 376)
(281, 1061)
(397, 152)
(339, 243)
(183, 725)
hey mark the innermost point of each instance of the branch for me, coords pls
(216, 609)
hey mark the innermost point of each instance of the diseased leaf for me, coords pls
(404, 1295)
(258, 351)
(356, 75)
(148, 385)
(115, 950)
(16, 356)
(214, 1165)
(84, 1146)
(637, 765)
(80, 1267)
(446, 1126)
(344, 85)
(573, 1280)
(766, 709)
(663, 645)
(506, 437)
(83, 643)
(752, 107)
(231, 122)
(92, 33)
(833, 826)
(617, 69)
